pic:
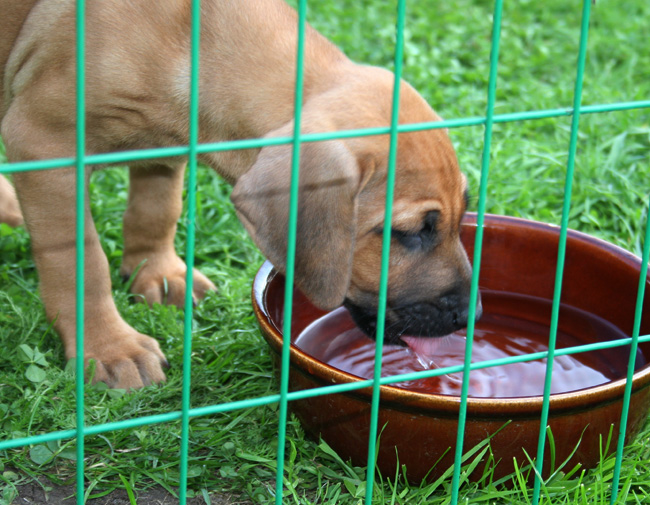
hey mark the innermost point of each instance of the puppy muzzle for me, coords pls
(446, 315)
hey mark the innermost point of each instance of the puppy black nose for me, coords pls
(461, 318)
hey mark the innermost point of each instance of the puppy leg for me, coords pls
(154, 207)
(9, 209)
(124, 358)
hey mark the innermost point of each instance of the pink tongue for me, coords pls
(423, 346)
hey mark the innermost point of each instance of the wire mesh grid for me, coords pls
(284, 397)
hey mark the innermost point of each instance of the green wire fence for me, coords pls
(193, 149)
(80, 241)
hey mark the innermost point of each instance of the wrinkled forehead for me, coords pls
(427, 168)
(427, 178)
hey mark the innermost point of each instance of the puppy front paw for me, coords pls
(129, 360)
(162, 279)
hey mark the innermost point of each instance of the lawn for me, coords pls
(233, 454)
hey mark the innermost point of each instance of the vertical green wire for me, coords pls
(189, 252)
(575, 121)
(291, 252)
(80, 240)
(638, 312)
(478, 244)
(385, 253)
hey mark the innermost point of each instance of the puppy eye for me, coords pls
(431, 223)
(424, 238)
(410, 241)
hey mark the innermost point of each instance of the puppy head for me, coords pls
(341, 213)
(429, 272)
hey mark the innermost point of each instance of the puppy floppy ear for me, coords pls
(327, 214)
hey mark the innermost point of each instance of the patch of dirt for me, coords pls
(33, 494)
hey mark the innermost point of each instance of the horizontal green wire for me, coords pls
(166, 152)
(308, 393)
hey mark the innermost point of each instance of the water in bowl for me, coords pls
(512, 325)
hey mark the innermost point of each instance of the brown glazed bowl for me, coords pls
(518, 256)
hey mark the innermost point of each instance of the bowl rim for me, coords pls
(578, 400)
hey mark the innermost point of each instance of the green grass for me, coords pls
(446, 58)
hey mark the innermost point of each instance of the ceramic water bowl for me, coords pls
(419, 419)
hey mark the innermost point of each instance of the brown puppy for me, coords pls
(137, 84)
